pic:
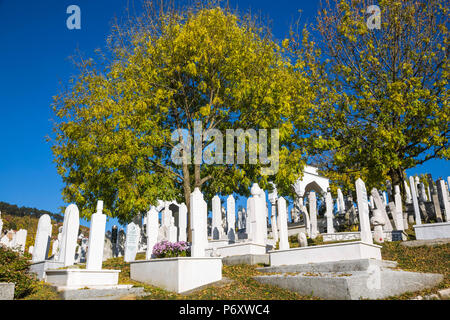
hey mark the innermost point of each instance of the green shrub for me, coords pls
(13, 268)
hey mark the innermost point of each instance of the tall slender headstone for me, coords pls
(182, 223)
(55, 247)
(216, 226)
(262, 195)
(273, 197)
(69, 235)
(96, 244)
(256, 216)
(1, 224)
(231, 218)
(445, 199)
(363, 211)
(312, 201)
(329, 212)
(282, 223)
(199, 213)
(435, 199)
(340, 201)
(274, 224)
(399, 207)
(412, 184)
(152, 231)
(131, 242)
(42, 240)
(380, 205)
(397, 217)
(408, 198)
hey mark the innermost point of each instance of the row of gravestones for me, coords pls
(378, 200)
(254, 219)
(14, 240)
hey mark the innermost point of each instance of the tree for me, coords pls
(167, 71)
(382, 93)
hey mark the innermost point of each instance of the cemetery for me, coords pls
(203, 154)
(345, 265)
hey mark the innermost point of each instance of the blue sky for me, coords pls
(35, 45)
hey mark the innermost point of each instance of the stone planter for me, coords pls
(177, 274)
(431, 231)
(325, 253)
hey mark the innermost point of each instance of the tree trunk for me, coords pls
(397, 177)
(187, 199)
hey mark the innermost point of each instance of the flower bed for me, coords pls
(166, 249)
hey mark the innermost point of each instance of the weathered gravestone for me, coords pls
(132, 242)
(415, 201)
(379, 204)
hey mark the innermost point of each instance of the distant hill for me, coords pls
(14, 210)
(15, 218)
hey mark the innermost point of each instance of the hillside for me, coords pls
(16, 218)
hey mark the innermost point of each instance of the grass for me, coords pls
(242, 286)
(434, 259)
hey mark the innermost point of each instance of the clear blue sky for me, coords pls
(34, 48)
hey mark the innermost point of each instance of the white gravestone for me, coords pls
(94, 257)
(329, 212)
(42, 240)
(340, 201)
(55, 249)
(415, 201)
(231, 218)
(282, 223)
(256, 215)
(378, 222)
(302, 240)
(1, 224)
(21, 239)
(313, 214)
(172, 231)
(182, 222)
(445, 199)
(131, 242)
(199, 214)
(69, 235)
(399, 207)
(216, 227)
(379, 204)
(408, 198)
(262, 195)
(398, 217)
(152, 231)
(273, 197)
(363, 211)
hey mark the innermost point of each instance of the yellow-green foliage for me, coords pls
(383, 102)
(113, 135)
